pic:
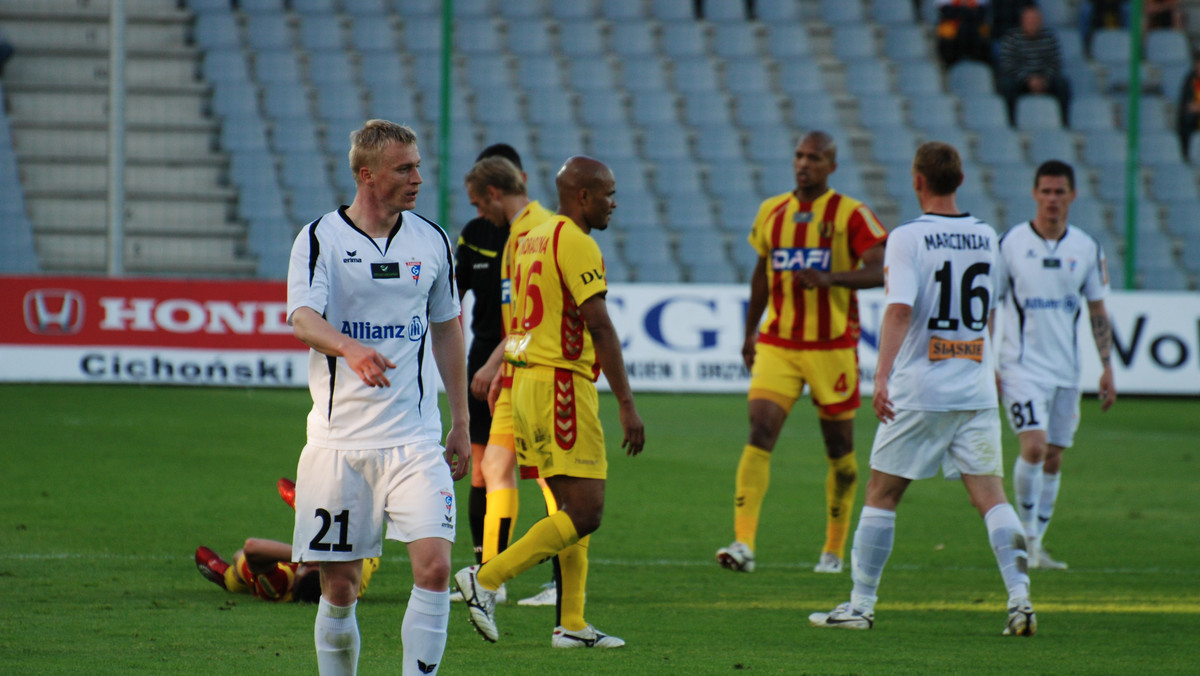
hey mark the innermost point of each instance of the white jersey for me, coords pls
(1043, 285)
(944, 268)
(383, 293)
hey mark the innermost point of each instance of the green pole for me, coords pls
(444, 113)
(1132, 132)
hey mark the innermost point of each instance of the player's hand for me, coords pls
(1108, 391)
(368, 364)
(883, 406)
(814, 279)
(493, 391)
(748, 348)
(482, 382)
(635, 431)
(458, 451)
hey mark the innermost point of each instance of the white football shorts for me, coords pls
(1036, 406)
(344, 498)
(916, 443)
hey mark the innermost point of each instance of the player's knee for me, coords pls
(763, 433)
(586, 523)
(433, 574)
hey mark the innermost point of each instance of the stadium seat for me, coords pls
(632, 39)
(684, 39)
(999, 147)
(667, 142)
(843, 12)
(1038, 111)
(592, 75)
(707, 108)
(1172, 186)
(881, 112)
(970, 78)
(867, 77)
(644, 75)
(580, 39)
(746, 75)
(801, 78)
(1052, 144)
(734, 40)
(498, 105)
(602, 108)
(321, 31)
(622, 10)
(918, 78)
(421, 34)
(893, 14)
(757, 110)
(529, 37)
(695, 74)
(893, 146)
(373, 34)
(690, 213)
(1093, 113)
(984, 113)
(613, 141)
(329, 67)
(787, 41)
(654, 108)
(904, 42)
(216, 30)
(854, 41)
(268, 30)
(719, 146)
(1167, 47)
(340, 101)
(578, 10)
(539, 73)
(678, 177)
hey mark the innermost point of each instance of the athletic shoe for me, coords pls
(287, 491)
(737, 556)
(844, 617)
(481, 603)
(501, 596)
(211, 566)
(1043, 560)
(829, 563)
(587, 637)
(1021, 620)
(547, 597)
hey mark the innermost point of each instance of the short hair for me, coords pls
(502, 150)
(941, 166)
(497, 172)
(367, 144)
(307, 587)
(1055, 168)
(827, 143)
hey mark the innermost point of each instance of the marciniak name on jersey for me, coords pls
(957, 240)
(368, 331)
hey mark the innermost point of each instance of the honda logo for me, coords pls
(54, 312)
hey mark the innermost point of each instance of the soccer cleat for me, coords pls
(1021, 620)
(844, 617)
(481, 603)
(547, 597)
(737, 556)
(287, 491)
(501, 596)
(1041, 559)
(211, 566)
(587, 637)
(829, 563)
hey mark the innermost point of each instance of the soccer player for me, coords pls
(370, 290)
(815, 247)
(563, 335)
(1050, 266)
(496, 186)
(935, 394)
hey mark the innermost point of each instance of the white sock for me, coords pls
(337, 639)
(1046, 504)
(1008, 544)
(873, 540)
(423, 632)
(1027, 490)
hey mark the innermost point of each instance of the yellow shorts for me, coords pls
(501, 433)
(556, 423)
(780, 373)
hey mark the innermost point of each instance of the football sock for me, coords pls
(423, 631)
(872, 546)
(840, 485)
(1007, 537)
(1027, 488)
(498, 521)
(573, 564)
(545, 539)
(337, 639)
(753, 475)
(234, 583)
(476, 508)
(1046, 504)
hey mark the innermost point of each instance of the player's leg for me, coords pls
(1026, 405)
(499, 475)
(833, 379)
(426, 621)
(335, 631)
(1060, 435)
(549, 594)
(477, 498)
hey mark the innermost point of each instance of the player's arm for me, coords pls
(608, 352)
(892, 330)
(755, 309)
(868, 275)
(314, 331)
(263, 553)
(482, 381)
(449, 351)
(1102, 334)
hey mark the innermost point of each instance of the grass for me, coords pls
(107, 491)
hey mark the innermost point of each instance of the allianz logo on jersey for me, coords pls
(1068, 304)
(368, 331)
(796, 258)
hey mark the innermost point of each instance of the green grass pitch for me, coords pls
(107, 491)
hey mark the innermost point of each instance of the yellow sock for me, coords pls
(840, 485)
(548, 496)
(498, 521)
(545, 539)
(234, 583)
(573, 564)
(753, 475)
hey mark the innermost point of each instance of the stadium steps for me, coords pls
(177, 190)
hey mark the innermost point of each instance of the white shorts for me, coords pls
(1035, 406)
(344, 498)
(916, 443)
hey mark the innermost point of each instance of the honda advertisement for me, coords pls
(676, 337)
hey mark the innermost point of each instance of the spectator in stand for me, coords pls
(963, 31)
(1188, 106)
(6, 50)
(1095, 14)
(1006, 15)
(1031, 63)
(1162, 14)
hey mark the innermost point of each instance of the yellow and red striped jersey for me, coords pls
(558, 267)
(532, 215)
(830, 234)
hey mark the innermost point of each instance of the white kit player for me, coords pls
(935, 393)
(369, 286)
(1050, 269)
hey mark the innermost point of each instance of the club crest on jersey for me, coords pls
(414, 269)
(799, 258)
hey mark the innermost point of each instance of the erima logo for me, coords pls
(352, 257)
(787, 258)
(54, 312)
(426, 668)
